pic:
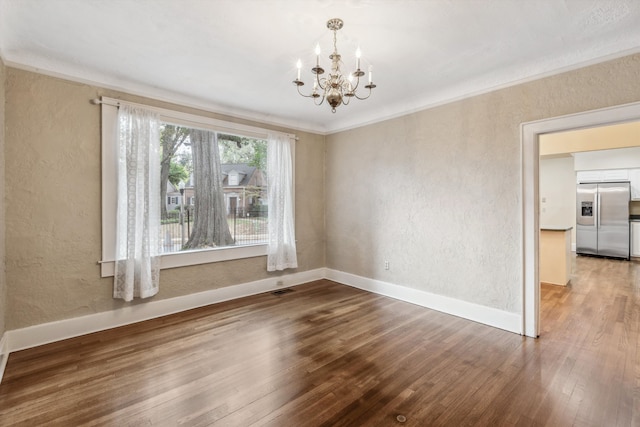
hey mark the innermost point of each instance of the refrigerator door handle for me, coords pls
(597, 209)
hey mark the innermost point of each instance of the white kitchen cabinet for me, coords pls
(615, 175)
(589, 176)
(603, 175)
(634, 177)
(635, 238)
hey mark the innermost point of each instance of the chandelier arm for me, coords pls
(346, 94)
(320, 85)
(362, 98)
(302, 94)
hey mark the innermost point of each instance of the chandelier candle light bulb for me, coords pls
(335, 88)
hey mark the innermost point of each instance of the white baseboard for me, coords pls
(4, 354)
(511, 322)
(32, 336)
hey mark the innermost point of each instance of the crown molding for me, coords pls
(367, 118)
(162, 95)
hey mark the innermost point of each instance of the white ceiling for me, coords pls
(238, 56)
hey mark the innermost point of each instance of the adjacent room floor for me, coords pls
(326, 354)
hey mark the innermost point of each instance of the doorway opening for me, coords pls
(530, 133)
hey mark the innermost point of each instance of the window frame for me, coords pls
(109, 185)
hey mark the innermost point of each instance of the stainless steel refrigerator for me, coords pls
(602, 219)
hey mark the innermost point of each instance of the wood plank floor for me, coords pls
(330, 355)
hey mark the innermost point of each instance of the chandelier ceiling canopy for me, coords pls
(335, 88)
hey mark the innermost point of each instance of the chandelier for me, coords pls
(335, 88)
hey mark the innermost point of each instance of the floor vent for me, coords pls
(282, 291)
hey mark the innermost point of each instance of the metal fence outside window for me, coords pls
(247, 227)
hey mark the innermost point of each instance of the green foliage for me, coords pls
(177, 173)
(171, 218)
(259, 211)
(171, 139)
(236, 149)
(175, 146)
(226, 138)
(185, 159)
(259, 160)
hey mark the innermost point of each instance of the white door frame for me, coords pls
(530, 194)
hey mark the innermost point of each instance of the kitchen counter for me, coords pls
(555, 254)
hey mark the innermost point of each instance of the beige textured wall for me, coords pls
(438, 193)
(3, 281)
(53, 209)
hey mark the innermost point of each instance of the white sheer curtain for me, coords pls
(137, 265)
(281, 252)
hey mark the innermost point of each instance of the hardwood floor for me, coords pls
(330, 355)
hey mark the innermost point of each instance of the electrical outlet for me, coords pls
(386, 265)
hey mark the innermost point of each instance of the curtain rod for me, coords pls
(96, 101)
(117, 103)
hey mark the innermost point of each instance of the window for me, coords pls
(241, 149)
(233, 178)
(196, 161)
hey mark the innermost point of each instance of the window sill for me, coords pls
(205, 256)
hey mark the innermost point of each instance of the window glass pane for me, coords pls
(213, 200)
